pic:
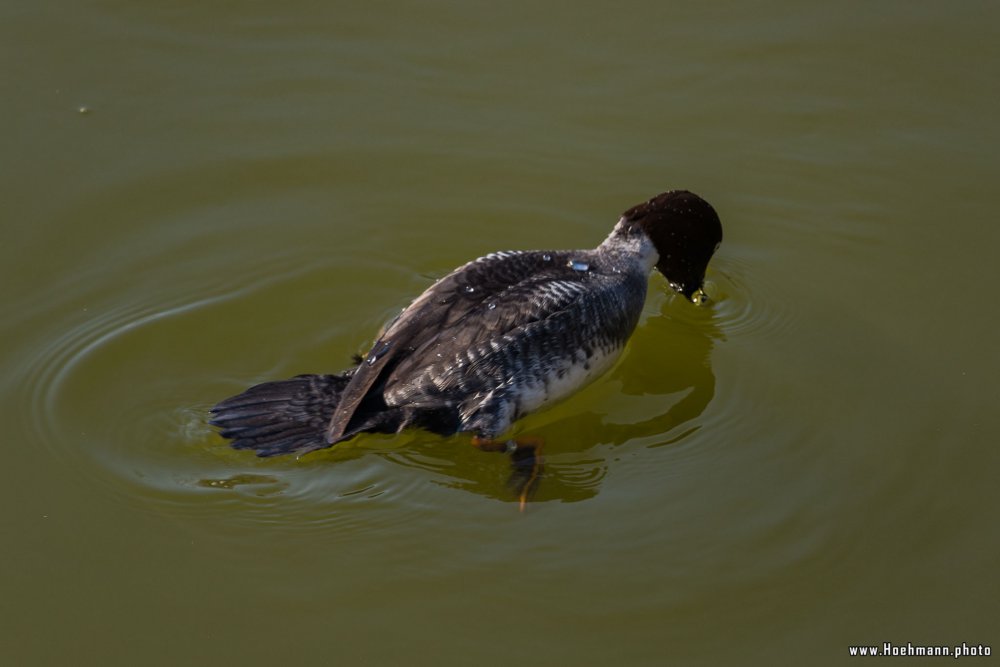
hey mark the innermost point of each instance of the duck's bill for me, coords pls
(697, 296)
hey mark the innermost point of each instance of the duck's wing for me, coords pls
(481, 300)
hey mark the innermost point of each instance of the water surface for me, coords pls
(203, 196)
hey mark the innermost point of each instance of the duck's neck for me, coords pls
(629, 246)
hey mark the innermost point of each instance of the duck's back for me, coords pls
(494, 340)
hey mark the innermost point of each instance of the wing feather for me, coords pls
(479, 301)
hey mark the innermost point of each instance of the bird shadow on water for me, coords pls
(652, 398)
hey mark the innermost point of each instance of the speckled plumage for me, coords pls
(490, 342)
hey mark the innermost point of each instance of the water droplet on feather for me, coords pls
(377, 354)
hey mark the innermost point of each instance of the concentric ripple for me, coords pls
(124, 395)
(746, 300)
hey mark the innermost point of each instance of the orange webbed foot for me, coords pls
(525, 460)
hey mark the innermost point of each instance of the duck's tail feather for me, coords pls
(283, 417)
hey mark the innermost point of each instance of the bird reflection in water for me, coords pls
(580, 448)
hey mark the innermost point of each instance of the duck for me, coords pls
(500, 337)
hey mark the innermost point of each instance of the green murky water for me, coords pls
(201, 196)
